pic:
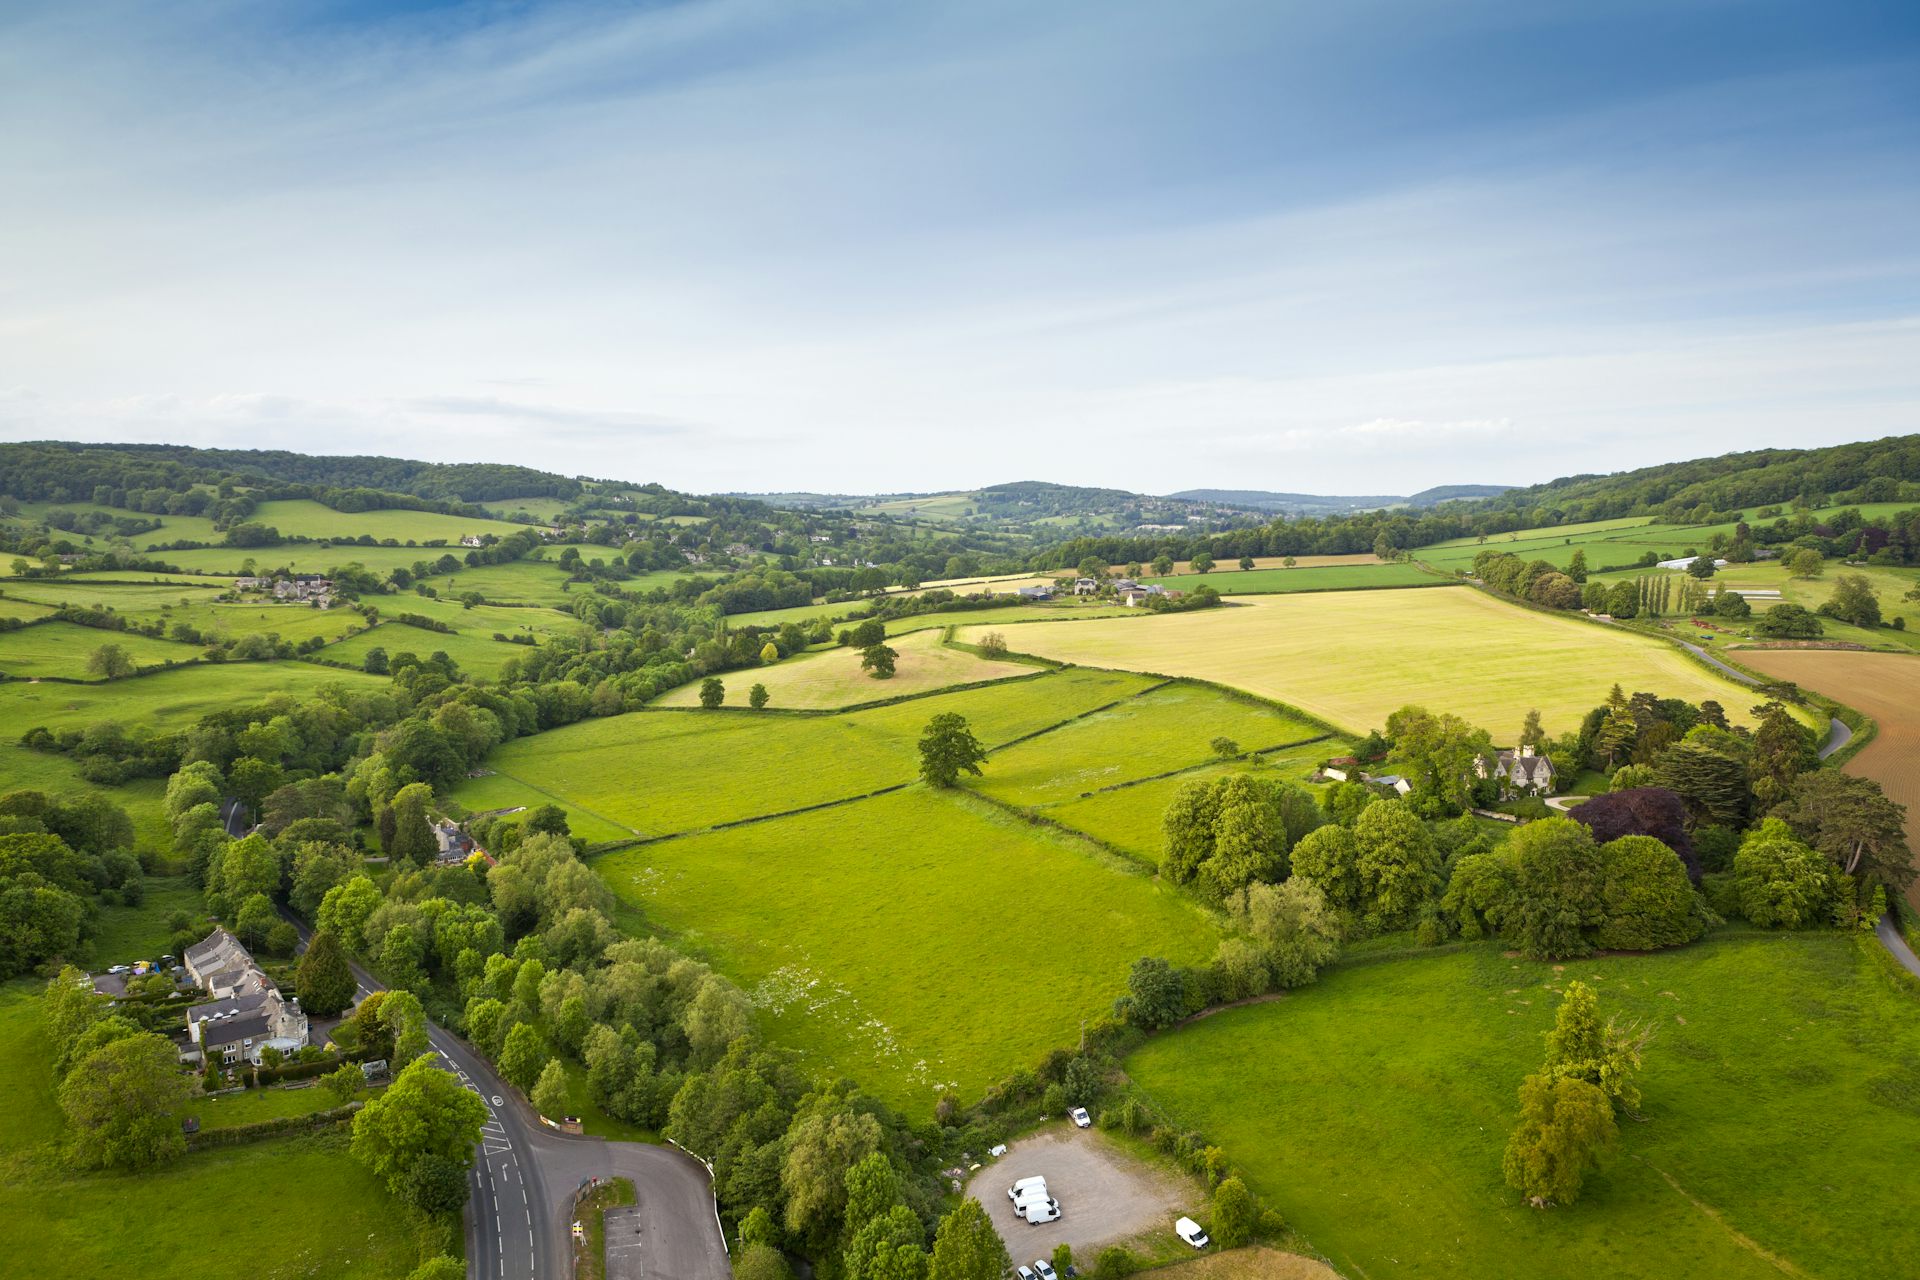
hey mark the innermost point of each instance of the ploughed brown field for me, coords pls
(1885, 686)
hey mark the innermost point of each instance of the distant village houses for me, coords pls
(301, 588)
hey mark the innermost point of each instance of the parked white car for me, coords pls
(1013, 1192)
(1043, 1270)
(1024, 1273)
(1080, 1117)
(1036, 1212)
(1189, 1230)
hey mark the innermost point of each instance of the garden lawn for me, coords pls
(1237, 582)
(165, 700)
(63, 649)
(1354, 657)
(919, 941)
(661, 772)
(1172, 727)
(1782, 1104)
(834, 677)
(251, 1106)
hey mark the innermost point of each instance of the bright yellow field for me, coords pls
(833, 678)
(1353, 657)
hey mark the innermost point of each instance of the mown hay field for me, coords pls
(1781, 1103)
(834, 678)
(1885, 686)
(664, 771)
(918, 941)
(64, 649)
(1352, 658)
(1247, 582)
(1172, 727)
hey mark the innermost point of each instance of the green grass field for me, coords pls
(1782, 1104)
(308, 557)
(231, 1110)
(1352, 658)
(126, 934)
(128, 598)
(156, 1226)
(24, 770)
(834, 678)
(476, 654)
(63, 649)
(914, 964)
(1889, 584)
(659, 772)
(1238, 582)
(1170, 728)
(166, 699)
(484, 619)
(302, 518)
(1129, 817)
(25, 610)
(519, 582)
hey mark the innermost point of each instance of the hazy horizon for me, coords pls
(731, 245)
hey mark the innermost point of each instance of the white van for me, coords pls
(1189, 1230)
(1030, 1195)
(1045, 1209)
(1013, 1192)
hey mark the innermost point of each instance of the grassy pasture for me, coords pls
(1170, 728)
(660, 772)
(539, 508)
(1779, 1094)
(126, 934)
(906, 961)
(1359, 577)
(304, 518)
(164, 700)
(476, 654)
(834, 678)
(130, 599)
(1129, 817)
(1351, 658)
(517, 582)
(25, 610)
(62, 649)
(309, 557)
(24, 770)
(484, 619)
(1361, 559)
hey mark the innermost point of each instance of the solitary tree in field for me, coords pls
(110, 662)
(1246, 562)
(1201, 563)
(757, 696)
(120, 1102)
(948, 746)
(1289, 562)
(877, 661)
(1804, 563)
(1162, 565)
(993, 645)
(1566, 1125)
(712, 693)
(1702, 567)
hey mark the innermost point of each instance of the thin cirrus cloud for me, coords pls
(899, 247)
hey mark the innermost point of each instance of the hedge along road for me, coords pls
(525, 1174)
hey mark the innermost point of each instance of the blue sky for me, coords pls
(753, 244)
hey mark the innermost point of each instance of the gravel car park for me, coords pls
(1105, 1194)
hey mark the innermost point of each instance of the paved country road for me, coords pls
(525, 1173)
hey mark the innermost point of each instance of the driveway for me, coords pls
(1106, 1195)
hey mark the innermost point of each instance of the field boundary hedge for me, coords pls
(241, 1134)
(1050, 666)
(1203, 764)
(1130, 863)
(1105, 706)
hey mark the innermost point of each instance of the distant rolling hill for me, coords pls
(1325, 504)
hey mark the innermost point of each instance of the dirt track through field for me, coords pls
(1885, 686)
